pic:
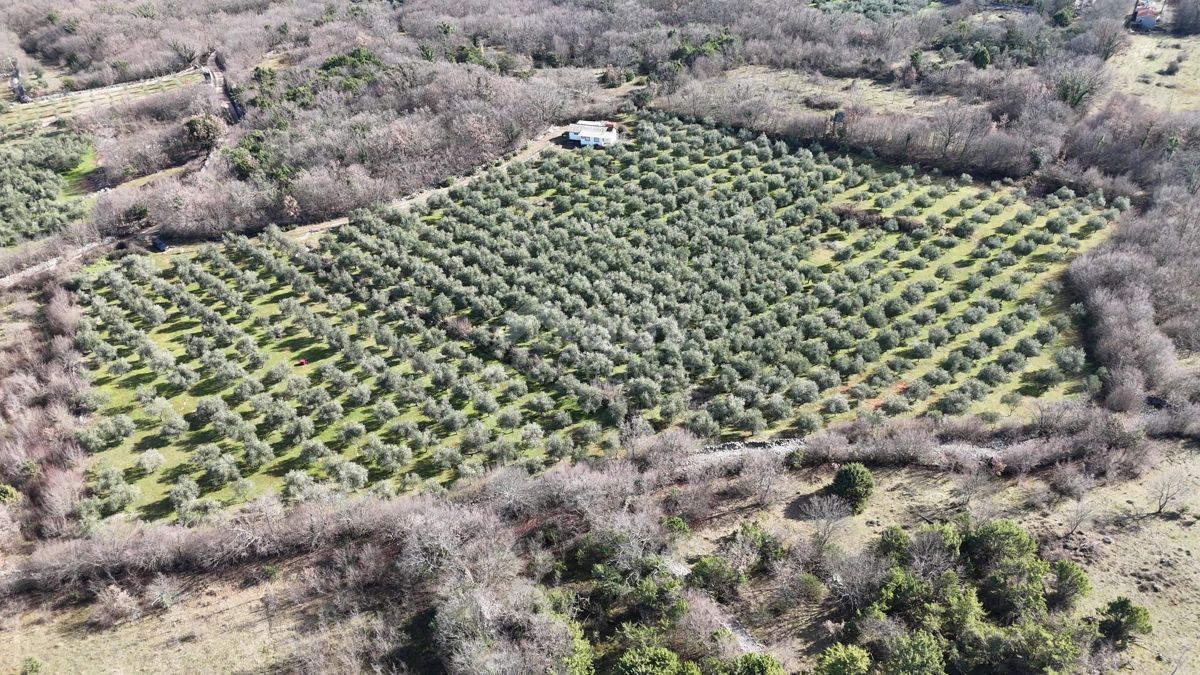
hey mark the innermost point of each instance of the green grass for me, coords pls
(77, 177)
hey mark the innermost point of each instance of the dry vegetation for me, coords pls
(923, 543)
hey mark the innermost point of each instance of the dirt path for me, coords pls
(16, 278)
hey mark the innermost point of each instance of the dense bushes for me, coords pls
(32, 204)
(294, 160)
(970, 597)
(1136, 289)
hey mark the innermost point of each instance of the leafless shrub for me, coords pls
(482, 629)
(1040, 498)
(854, 580)
(162, 592)
(447, 544)
(761, 475)
(825, 512)
(703, 631)
(901, 443)
(880, 633)
(965, 428)
(795, 576)
(10, 529)
(57, 494)
(353, 642)
(1078, 514)
(62, 314)
(1181, 420)
(113, 605)
(1030, 454)
(827, 446)
(1068, 480)
(929, 555)
(1126, 390)
(694, 500)
(1169, 490)
(973, 484)
(664, 449)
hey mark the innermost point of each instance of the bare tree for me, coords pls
(955, 129)
(1078, 514)
(855, 580)
(826, 512)
(928, 554)
(761, 475)
(1110, 36)
(972, 484)
(1168, 489)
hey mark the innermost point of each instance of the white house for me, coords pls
(587, 132)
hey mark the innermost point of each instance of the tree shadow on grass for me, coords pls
(178, 323)
(795, 508)
(122, 410)
(173, 474)
(210, 386)
(1030, 385)
(151, 442)
(156, 510)
(133, 381)
(205, 435)
(417, 652)
(425, 468)
(315, 353)
(281, 468)
(133, 474)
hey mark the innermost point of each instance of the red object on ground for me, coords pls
(302, 362)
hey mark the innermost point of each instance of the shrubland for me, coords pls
(577, 569)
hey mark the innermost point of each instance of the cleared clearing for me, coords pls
(44, 110)
(1142, 71)
(784, 90)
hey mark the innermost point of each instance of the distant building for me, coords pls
(586, 132)
(1146, 18)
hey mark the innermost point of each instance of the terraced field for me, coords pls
(43, 110)
(730, 284)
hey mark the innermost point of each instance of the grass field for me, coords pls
(732, 285)
(789, 90)
(1160, 71)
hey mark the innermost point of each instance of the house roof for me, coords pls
(593, 128)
